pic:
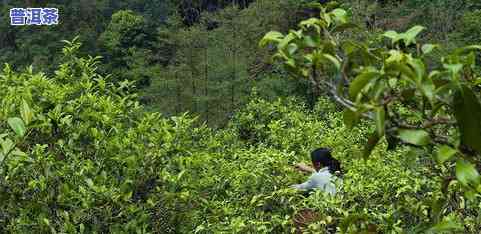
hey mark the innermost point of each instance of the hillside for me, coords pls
(191, 116)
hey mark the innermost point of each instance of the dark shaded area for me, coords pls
(190, 10)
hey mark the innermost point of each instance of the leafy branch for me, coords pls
(390, 83)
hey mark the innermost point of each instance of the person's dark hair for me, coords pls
(324, 157)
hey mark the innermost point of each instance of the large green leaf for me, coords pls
(410, 35)
(445, 153)
(333, 60)
(292, 48)
(26, 112)
(478, 81)
(393, 35)
(361, 81)
(419, 68)
(339, 16)
(312, 22)
(415, 137)
(454, 70)
(466, 173)
(467, 111)
(7, 146)
(311, 41)
(272, 36)
(428, 48)
(18, 126)
(428, 88)
(445, 226)
(286, 40)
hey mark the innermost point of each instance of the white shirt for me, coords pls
(322, 179)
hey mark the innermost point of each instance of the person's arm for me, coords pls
(304, 186)
(304, 168)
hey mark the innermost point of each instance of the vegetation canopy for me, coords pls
(83, 151)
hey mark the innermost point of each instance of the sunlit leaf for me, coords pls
(286, 40)
(333, 60)
(415, 137)
(466, 173)
(445, 153)
(292, 48)
(418, 67)
(428, 48)
(339, 15)
(453, 68)
(272, 36)
(478, 81)
(393, 35)
(428, 89)
(309, 41)
(26, 112)
(18, 126)
(395, 56)
(445, 226)
(7, 146)
(361, 81)
(410, 35)
(311, 23)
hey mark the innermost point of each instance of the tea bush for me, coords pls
(79, 155)
(469, 29)
(88, 158)
(245, 187)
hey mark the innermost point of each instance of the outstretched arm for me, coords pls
(304, 186)
(304, 168)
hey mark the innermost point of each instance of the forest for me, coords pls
(192, 116)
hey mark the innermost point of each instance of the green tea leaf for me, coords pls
(415, 137)
(286, 40)
(466, 173)
(312, 22)
(339, 16)
(361, 81)
(271, 36)
(26, 112)
(7, 146)
(410, 35)
(393, 35)
(445, 153)
(333, 60)
(18, 126)
(445, 226)
(428, 48)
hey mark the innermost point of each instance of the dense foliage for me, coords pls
(83, 150)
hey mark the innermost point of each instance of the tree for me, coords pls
(392, 85)
(132, 46)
